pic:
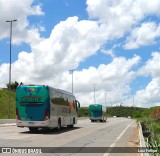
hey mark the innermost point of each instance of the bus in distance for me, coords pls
(97, 112)
(40, 106)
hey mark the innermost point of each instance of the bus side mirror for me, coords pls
(77, 104)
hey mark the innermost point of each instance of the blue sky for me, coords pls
(114, 45)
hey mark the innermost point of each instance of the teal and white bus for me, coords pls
(40, 106)
(97, 112)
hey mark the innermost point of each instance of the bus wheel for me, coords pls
(59, 125)
(33, 129)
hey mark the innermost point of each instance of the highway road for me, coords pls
(92, 137)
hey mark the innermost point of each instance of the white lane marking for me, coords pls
(114, 143)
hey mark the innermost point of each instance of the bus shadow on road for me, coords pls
(51, 131)
(99, 122)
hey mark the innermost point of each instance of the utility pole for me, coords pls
(94, 93)
(133, 99)
(72, 78)
(105, 98)
(9, 87)
(111, 102)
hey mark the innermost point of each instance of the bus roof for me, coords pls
(96, 104)
(66, 92)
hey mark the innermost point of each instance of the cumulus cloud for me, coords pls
(69, 44)
(143, 35)
(22, 30)
(108, 52)
(112, 79)
(72, 42)
(151, 67)
(122, 11)
(118, 17)
(149, 96)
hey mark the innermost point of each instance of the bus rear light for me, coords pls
(17, 114)
(46, 115)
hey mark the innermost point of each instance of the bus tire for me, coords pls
(33, 129)
(59, 125)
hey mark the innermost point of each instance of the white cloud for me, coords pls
(71, 42)
(4, 68)
(143, 35)
(108, 52)
(112, 79)
(149, 96)
(152, 66)
(122, 11)
(20, 10)
(117, 17)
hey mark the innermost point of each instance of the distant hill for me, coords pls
(124, 111)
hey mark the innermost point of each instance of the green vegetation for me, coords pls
(151, 124)
(83, 112)
(13, 85)
(122, 111)
(119, 111)
(4, 101)
(4, 104)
